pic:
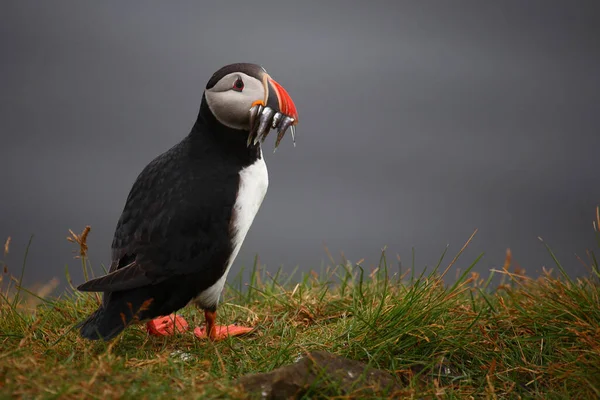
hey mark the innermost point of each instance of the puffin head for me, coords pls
(244, 97)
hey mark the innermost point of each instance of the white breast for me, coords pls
(254, 181)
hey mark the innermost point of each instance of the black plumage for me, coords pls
(173, 238)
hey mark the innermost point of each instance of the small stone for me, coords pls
(317, 370)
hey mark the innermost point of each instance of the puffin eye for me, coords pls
(238, 85)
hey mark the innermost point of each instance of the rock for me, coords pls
(320, 373)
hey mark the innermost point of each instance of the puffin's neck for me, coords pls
(233, 142)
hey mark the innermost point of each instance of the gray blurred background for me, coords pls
(419, 122)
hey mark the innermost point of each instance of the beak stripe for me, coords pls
(266, 86)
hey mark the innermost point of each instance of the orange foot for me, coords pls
(220, 332)
(163, 326)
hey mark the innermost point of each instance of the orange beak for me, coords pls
(286, 104)
(276, 111)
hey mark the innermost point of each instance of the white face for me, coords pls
(231, 98)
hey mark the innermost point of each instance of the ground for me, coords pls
(502, 336)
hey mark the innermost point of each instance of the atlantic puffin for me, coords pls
(189, 210)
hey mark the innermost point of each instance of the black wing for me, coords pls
(175, 222)
(129, 277)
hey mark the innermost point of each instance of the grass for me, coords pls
(521, 337)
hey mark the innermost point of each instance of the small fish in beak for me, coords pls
(263, 119)
(279, 114)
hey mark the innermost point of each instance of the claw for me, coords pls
(265, 121)
(167, 325)
(222, 332)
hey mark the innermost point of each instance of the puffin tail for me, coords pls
(117, 313)
(102, 325)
